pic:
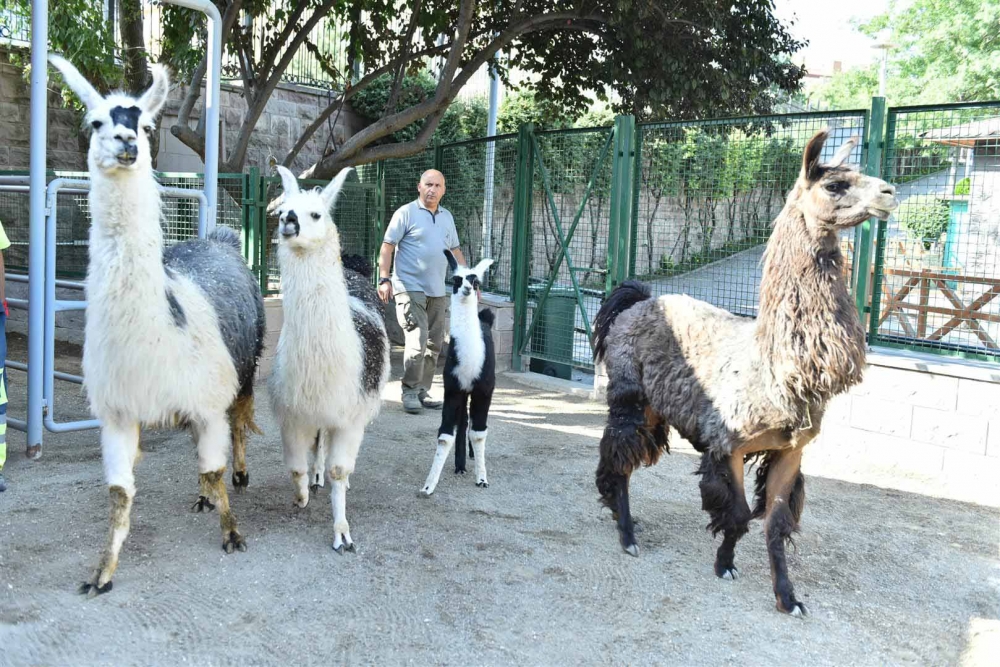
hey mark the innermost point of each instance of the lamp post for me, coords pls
(883, 44)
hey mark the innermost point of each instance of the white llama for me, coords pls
(172, 338)
(332, 360)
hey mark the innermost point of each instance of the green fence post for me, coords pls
(520, 253)
(251, 187)
(863, 237)
(439, 157)
(380, 212)
(622, 201)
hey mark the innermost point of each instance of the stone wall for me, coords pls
(289, 111)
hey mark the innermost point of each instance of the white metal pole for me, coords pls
(212, 75)
(36, 234)
(491, 130)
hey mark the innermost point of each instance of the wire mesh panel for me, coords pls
(480, 195)
(179, 220)
(570, 204)
(937, 273)
(708, 192)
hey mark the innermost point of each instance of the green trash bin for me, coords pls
(553, 335)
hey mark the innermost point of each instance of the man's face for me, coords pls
(431, 189)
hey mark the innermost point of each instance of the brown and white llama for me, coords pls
(739, 388)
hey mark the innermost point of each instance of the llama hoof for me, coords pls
(794, 609)
(240, 481)
(341, 546)
(91, 589)
(799, 610)
(314, 488)
(426, 492)
(300, 501)
(459, 471)
(632, 550)
(730, 573)
(483, 484)
(203, 504)
(233, 542)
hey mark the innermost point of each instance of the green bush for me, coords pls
(925, 220)
(963, 186)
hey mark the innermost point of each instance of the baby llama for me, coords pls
(172, 337)
(469, 371)
(332, 360)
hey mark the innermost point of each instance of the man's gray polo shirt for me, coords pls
(421, 238)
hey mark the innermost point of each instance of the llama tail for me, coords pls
(358, 264)
(621, 299)
(487, 317)
(226, 236)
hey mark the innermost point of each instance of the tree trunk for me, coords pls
(136, 76)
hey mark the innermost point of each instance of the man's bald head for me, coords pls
(431, 188)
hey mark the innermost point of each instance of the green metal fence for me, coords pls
(479, 175)
(937, 267)
(707, 193)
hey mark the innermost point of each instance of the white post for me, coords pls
(491, 131)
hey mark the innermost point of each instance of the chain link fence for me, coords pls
(707, 195)
(936, 270)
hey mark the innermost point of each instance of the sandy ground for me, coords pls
(528, 571)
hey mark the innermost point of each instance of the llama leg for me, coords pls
(317, 468)
(724, 498)
(212, 438)
(343, 453)
(461, 431)
(297, 441)
(241, 425)
(445, 442)
(784, 497)
(119, 449)
(479, 411)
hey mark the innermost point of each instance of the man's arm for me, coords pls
(457, 252)
(384, 266)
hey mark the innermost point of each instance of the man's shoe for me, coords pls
(3, 484)
(411, 403)
(428, 402)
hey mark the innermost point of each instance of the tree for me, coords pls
(946, 52)
(659, 58)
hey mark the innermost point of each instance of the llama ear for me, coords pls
(331, 191)
(844, 152)
(152, 100)
(481, 267)
(288, 181)
(810, 158)
(79, 85)
(452, 262)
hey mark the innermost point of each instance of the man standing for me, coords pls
(417, 236)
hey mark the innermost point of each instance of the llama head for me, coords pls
(119, 124)
(305, 217)
(466, 282)
(833, 195)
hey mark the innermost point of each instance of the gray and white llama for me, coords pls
(738, 388)
(172, 337)
(332, 360)
(469, 376)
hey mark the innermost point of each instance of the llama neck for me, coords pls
(313, 282)
(126, 241)
(808, 332)
(467, 337)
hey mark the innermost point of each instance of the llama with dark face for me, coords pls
(332, 360)
(172, 336)
(469, 376)
(739, 388)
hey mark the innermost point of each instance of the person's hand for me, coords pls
(385, 292)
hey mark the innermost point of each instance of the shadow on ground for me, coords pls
(528, 571)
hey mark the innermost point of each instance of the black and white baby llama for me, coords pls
(332, 360)
(469, 371)
(172, 337)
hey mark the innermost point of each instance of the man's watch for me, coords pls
(384, 280)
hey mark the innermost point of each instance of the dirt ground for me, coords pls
(528, 571)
